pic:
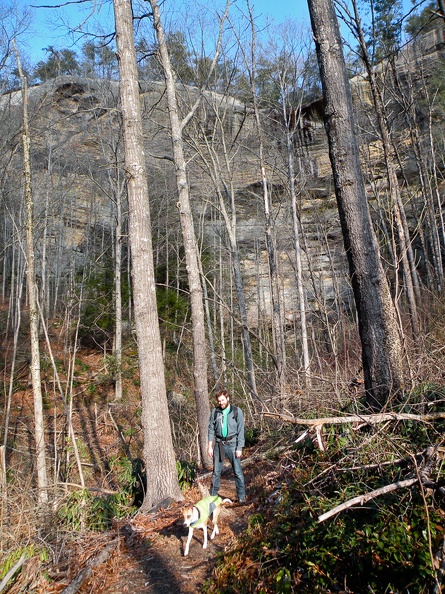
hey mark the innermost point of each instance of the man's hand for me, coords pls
(239, 453)
(210, 450)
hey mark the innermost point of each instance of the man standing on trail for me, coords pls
(226, 438)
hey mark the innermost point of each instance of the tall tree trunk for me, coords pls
(117, 347)
(276, 301)
(381, 345)
(298, 251)
(159, 458)
(222, 172)
(394, 189)
(189, 238)
(42, 478)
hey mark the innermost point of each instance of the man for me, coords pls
(226, 438)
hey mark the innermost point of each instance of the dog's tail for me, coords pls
(226, 500)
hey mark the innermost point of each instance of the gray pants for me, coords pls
(228, 450)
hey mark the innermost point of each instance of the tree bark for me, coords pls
(394, 189)
(159, 458)
(42, 477)
(381, 345)
(189, 240)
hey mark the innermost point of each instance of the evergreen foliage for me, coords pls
(59, 62)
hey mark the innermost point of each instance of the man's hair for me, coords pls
(222, 392)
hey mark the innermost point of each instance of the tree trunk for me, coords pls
(381, 345)
(275, 292)
(189, 240)
(298, 251)
(159, 458)
(222, 172)
(117, 347)
(42, 478)
(394, 189)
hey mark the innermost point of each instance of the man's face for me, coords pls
(223, 401)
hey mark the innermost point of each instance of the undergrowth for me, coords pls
(387, 545)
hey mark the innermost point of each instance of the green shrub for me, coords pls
(83, 510)
(252, 436)
(186, 473)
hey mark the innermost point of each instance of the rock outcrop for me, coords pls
(78, 170)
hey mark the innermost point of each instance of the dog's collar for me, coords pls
(192, 524)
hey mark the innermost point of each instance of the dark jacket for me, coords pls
(235, 427)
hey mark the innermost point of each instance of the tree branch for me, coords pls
(86, 572)
(12, 572)
(368, 419)
(428, 458)
(361, 499)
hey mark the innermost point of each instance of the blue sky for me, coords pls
(48, 25)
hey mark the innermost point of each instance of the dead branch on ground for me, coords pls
(373, 419)
(428, 459)
(12, 572)
(86, 572)
(361, 499)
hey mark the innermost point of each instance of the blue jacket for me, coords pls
(235, 427)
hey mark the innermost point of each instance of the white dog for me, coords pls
(199, 515)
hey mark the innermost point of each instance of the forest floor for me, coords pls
(146, 553)
(142, 554)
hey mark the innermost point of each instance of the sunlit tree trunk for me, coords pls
(159, 458)
(381, 345)
(118, 296)
(189, 238)
(42, 478)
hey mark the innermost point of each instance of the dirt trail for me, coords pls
(149, 554)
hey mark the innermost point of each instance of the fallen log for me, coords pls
(423, 472)
(373, 419)
(86, 572)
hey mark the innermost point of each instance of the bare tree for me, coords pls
(162, 479)
(381, 345)
(188, 232)
(285, 56)
(219, 152)
(42, 478)
(277, 317)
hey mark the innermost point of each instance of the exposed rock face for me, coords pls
(77, 153)
(77, 171)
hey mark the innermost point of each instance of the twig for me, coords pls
(93, 489)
